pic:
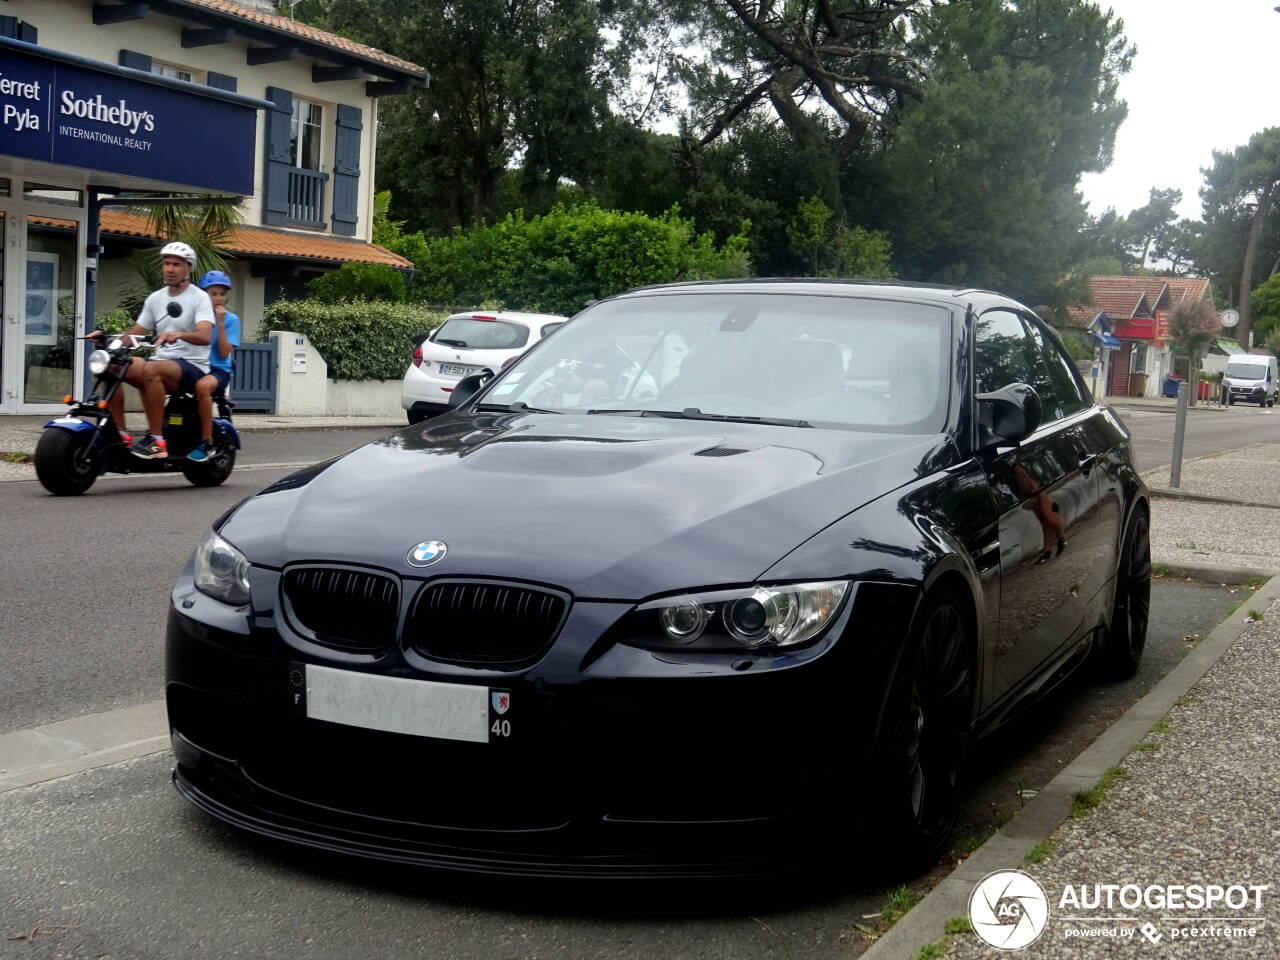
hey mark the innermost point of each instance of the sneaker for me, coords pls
(150, 447)
(126, 438)
(202, 452)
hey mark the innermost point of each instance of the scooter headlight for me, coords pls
(98, 361)
(222, 571)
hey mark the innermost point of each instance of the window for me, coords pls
(1059, 394)
(173, 73)
(1002, 352)
(304, 134)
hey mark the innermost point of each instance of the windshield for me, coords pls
(829, 361)
(470, 333)
(1246, 371)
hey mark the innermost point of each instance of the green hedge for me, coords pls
(559, 261)
(366, 340)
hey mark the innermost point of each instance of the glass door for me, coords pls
(43, 291)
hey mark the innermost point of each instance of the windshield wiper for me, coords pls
(693, 413)
(452, 343)
(516, 407)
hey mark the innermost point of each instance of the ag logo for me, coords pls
(426, 553)
(1008, 909)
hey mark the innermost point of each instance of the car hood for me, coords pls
(605, 507)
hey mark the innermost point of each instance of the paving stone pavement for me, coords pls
(1199, 809)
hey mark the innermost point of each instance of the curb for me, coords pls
(1006, 848)
(1161, 494)
(1208, 574)
(1214, 408)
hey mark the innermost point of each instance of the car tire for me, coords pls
(925, 735)
(64, 465)
(1121, 652)
(414, 417)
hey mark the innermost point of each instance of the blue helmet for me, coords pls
(215, 278)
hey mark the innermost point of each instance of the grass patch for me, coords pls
(969, 843)
(932, 951)
(1001, 817)
(1147, 745)
(1039, 853)
(1086, 800)
(13, 456)
(1161, 725)
(1253, 581)
(1185, 699)
(1160, 570)
(897, 904)
(1256, 615)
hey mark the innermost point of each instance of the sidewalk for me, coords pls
(1193, 805)
(1163, 404)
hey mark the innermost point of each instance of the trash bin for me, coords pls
(1171, 385)
(1138, 384)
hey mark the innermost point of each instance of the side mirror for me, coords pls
(468, 387)
(1007, 416)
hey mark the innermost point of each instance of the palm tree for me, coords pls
(207, 229)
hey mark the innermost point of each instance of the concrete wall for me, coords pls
(67, 25)
(310, 393)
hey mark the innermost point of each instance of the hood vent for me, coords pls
(721, 452)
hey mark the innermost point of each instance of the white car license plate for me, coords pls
(420, 708)
(456, 369)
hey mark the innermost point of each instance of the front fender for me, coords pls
(73, 424)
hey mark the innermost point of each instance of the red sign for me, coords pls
(1162, 324)
(1139, 328)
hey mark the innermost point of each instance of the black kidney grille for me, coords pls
(351, 609)
(483, 624)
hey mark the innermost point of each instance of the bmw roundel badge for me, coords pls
(427, 552)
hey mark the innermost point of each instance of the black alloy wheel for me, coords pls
(1131, 610)
(215, 470)
(66, 464)
(927, 735)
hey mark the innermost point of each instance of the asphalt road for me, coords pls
(1207, 432)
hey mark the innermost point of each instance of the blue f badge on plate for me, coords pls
(427, 552)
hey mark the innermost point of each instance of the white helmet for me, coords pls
(179, 249)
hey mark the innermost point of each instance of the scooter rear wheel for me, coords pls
(211, 472)
(63, 463)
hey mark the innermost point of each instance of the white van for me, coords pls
(1252, 378)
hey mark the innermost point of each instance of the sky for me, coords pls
(1206, 77)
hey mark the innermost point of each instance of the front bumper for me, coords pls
(609, 773)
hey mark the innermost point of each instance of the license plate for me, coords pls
(420, 708)
(456, 369)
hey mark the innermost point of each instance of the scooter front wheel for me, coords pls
(64, 464)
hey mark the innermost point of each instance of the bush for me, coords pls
(366, 340)
(116, 320)
(359, 281)
(1078, 349)
(573, 254)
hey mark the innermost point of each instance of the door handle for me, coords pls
(1087, 462)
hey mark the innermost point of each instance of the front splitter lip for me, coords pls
(259, 821)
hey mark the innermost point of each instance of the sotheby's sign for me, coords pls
(102, 121)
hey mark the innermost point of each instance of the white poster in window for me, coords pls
(42, 299)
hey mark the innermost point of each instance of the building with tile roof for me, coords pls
(1129, 317)
(106, 99)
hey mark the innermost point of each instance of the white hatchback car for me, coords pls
(463, 344)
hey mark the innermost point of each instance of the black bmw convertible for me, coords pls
(717, 577)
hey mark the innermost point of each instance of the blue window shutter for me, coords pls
(221, 81)
(138, 61)
(346, 170)
(9, 27)
(27, 33)
(275, 193)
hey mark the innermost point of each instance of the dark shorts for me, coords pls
(190, 374)
(224, 378)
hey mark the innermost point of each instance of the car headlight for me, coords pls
(222, 571)
(749, 617)
(98, 361)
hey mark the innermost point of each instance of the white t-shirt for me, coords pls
(162, 313)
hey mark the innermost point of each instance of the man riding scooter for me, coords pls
(181, 316)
